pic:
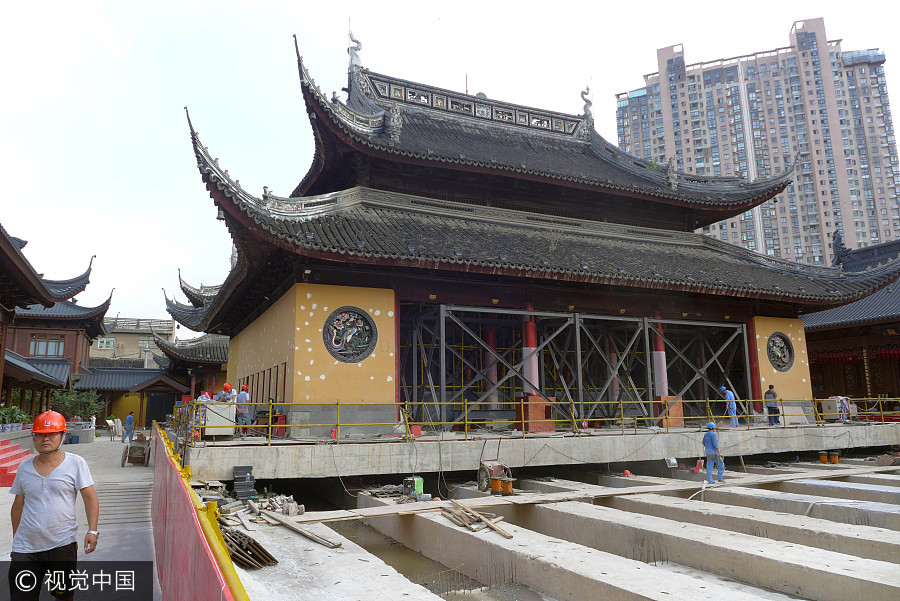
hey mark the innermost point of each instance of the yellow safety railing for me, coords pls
(519, 416)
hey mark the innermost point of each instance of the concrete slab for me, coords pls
(878, 515)
(842, 490)
(544, 563)
(428, 454)
(792, 569)
(860, 541)
(309, 571)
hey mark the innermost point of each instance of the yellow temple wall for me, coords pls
(266, 344)
(794, 384)
(319, 377)
(291, 332)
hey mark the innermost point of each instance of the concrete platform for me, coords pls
(453, 452)
(878, 515)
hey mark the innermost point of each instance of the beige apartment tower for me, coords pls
(754, 116)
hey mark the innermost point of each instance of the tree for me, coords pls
(71, 402)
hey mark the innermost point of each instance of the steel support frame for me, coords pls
(580, 393)
(737, 340)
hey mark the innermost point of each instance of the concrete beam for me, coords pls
(561, 569)
(793, 569)
(880, 479)
(860, 541)
(842, 490)
(454, 453)
(878, 515)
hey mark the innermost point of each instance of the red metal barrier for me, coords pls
(184, 562)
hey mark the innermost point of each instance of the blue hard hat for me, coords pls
(722, 389)
(711, 426)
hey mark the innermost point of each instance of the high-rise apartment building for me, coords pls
(753, 116)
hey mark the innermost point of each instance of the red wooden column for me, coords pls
(660, 375)
(531, 363)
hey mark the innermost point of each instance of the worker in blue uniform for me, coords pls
(713, 455)
(732, 406)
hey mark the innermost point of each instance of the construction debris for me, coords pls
(243, 482)
(246, 551)
(469, 518)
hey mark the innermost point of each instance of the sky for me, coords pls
(95, 153)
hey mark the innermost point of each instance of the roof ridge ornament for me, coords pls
(588, 125)
(394, 122)
(353, 51)
(672, 173)
(587, 102)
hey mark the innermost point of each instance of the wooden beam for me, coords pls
(296, 528)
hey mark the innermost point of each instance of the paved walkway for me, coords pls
(124, 493)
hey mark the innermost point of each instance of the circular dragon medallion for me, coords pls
(780, 351)
(350, 334)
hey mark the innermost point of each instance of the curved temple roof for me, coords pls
(198, 296)
(209, 348)
(189, 316)
(882, 306)
(414, 121)
(90, 317)
(368, 226)
(21, 285)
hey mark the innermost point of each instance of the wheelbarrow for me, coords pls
(138, 451)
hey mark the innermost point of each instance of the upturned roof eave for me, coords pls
(172, 351)
(38, 290)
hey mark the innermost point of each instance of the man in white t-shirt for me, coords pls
(45, 529)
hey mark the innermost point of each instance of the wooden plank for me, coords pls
(326, 516)
(483, 525)
(246, 523)
(489, 523)
(269, 520)
(453, 518)
(303, 531)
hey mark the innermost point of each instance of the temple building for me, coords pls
(448, 256)
(855, 349)
(201, 362)
(44, 337)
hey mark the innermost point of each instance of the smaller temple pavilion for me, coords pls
(855, 349)
(34, 361)
(200, 361)
(452, 257)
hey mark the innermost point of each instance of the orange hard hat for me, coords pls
(49, 422)
(626, 473)
(227, 387)
(244, 387)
